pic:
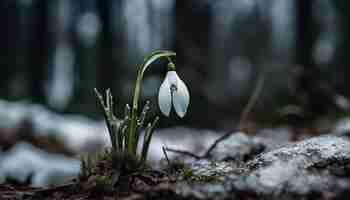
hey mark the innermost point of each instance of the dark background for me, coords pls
(54, 52)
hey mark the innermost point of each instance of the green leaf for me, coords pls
(147, 139)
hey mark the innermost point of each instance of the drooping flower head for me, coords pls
(173, 91)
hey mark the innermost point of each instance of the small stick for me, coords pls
(186, 153)
(166, 155)
(217, 141)
(54, 189)
(252, 100)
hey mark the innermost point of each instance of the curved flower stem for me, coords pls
(132, 143)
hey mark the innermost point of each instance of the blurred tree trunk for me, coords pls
(38, 50)
(310, 91)
(342, 54)
(106, 72)
(305, 35)
(193, 21)
(8, 35)
(87, 57)
(317, 95)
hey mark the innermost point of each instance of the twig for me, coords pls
(54, 189)
(166, 156)
(252, 100)
(216, 142)
(186, 153)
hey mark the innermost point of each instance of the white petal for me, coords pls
(164, 98)
(181, 98)
(172, 77)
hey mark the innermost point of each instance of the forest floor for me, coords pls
(274, 164)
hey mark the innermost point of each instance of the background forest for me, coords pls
(54, 52)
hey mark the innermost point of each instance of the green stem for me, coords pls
(131, 143)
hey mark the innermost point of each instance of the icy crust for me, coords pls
(317, 167)
(238, 146)
(307, 153)
(310, 166)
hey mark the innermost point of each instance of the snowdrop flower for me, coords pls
(173, 91)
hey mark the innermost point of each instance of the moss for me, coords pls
(184, 172)
(106, 170)
(190, 175)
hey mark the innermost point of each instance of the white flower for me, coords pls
(173, 91)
